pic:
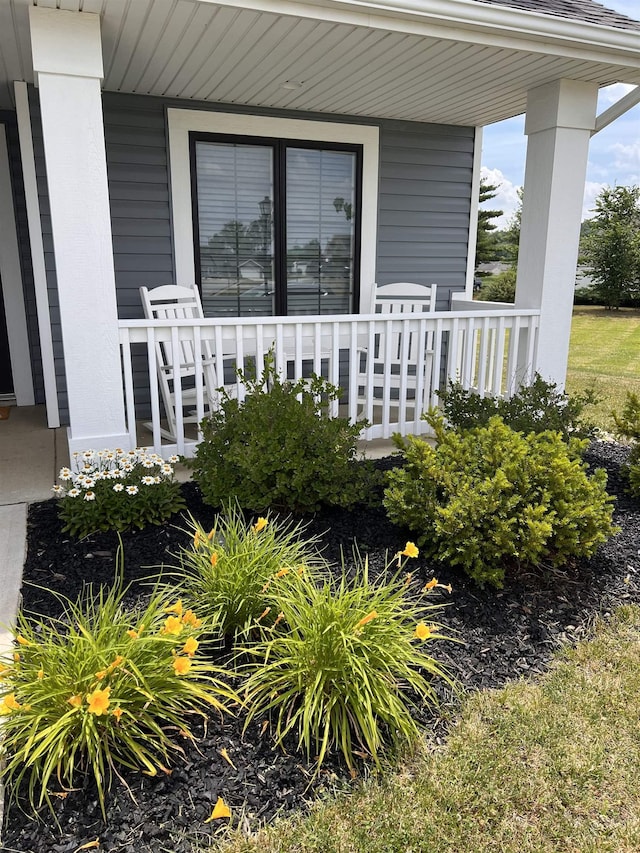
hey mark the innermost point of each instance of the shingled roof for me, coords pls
(578, 10)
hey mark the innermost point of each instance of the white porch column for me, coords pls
(560, 118)
(67, 61)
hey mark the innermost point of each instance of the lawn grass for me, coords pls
(605, 353)
(531, 768)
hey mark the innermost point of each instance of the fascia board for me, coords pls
(468, 21)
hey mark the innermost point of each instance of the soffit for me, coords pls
(204, 51)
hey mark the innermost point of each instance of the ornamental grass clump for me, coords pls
(230, 573)
(117, 490)
(353, 659)
(103, 688)
(490, 499)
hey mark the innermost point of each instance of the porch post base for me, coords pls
(80, 443)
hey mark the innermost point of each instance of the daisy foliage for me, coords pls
(117, 490)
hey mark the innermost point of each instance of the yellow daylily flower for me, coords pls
(172, 625)
(190, 619)
(191, 646)
(213, 559)
(98, 701)
(196, 540)
(133, 634)
(430, 584)
(410, 550)
(175, 608)
(181, 666)
(423, 632)
(21, 640)
(9, 703)
(40, 674)
(220, 810)
(366, 619)
(281, 573)
(75, 701)
(260, 524)
(117, 713)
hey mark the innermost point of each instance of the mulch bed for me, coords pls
(506, 634)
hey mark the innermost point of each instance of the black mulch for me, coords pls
(507, 634)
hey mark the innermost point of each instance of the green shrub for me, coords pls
(117, 490)
(230, 573)
(490, 497)
(346, 672)
(278, 448)
(628, 426)
(533, 408)
(499, 288)
(104, 687)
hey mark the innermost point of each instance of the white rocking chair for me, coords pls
(172, 302)
(380, 380)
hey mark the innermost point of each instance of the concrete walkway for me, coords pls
(30, 458)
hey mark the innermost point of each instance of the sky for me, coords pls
(614, 153)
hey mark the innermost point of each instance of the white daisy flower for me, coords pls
(65, 474)
(73, 493)
(148, 481)
(132, 490)
(118, 487)
(157, 480)
(147, 463)
(57, 490)
(173, 459)
(88, 483)
(90, 496)
(88, 455)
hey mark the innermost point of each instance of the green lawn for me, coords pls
(531, 768)
(605, 352)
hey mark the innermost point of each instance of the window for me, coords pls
(276, 225)
(273, 215)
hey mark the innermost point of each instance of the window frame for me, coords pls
(181, 123)
(279, 148)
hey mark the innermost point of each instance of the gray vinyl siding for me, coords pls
(424, 198)
(423, 214)
(424, 205)
(24, 248)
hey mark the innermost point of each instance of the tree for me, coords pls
(611, 249)
(510, 237)
(486, 239)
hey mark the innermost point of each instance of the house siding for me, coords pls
(423, 215)
(424, 197)
(24, 248)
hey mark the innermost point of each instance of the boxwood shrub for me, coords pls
(491, 498)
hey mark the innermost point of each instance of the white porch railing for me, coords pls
(389, 367)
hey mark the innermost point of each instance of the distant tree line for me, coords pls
(609, 248)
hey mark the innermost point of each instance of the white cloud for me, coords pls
(505, 199)
(610, 94)
(592, 189)
(627, 156)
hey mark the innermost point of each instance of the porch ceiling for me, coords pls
(449, 61)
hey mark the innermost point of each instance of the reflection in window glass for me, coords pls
(235, 224)
(320, 230)
(276, 226)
